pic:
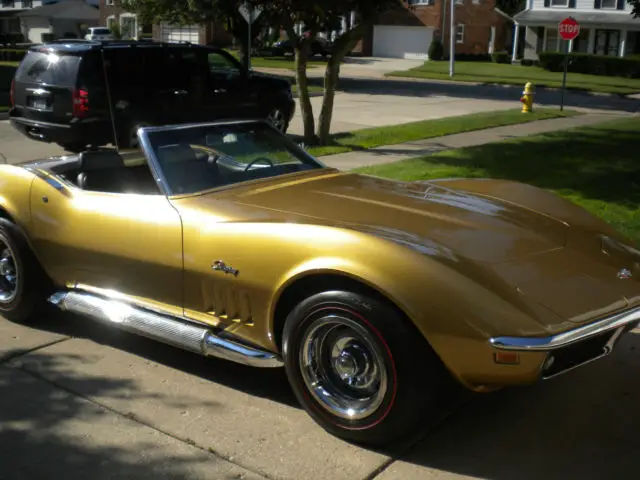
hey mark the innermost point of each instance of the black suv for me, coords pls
(68, 92)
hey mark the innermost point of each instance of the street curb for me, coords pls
(4, 116)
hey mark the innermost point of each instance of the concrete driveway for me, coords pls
(86, 402)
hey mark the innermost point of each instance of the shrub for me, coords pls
(6, 75)
(628, 67)
(500, 57)
(436, 50)
(11, 54)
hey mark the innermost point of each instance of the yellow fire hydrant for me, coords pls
(527, 98)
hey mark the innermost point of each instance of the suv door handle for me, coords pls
(220, 90)
(180, 92)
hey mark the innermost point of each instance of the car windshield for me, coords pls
(196, 158)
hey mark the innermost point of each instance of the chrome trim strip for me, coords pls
(169, 329)
(543, 344)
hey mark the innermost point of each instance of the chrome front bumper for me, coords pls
(574, 348)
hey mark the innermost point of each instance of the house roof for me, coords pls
(544, 17)
(64, 10)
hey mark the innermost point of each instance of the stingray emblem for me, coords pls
(223, 267)
(624, 274)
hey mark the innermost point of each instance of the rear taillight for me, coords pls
(12, 93)
(80, 103)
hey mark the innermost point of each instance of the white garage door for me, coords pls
(180, 33)
(401, 42)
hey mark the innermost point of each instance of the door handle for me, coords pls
(180, 92)
(220, 90)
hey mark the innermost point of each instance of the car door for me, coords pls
(230, 96)
(127, 243)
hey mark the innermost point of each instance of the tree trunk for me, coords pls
(331, 75)
(306, 109)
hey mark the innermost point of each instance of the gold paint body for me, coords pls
(465, 260)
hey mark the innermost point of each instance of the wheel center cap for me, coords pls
(5, 267)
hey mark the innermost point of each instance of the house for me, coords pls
(59, 19)
(606, 27)
(9, 21)
(407, 30)
(112, 13)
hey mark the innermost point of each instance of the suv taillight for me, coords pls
(12, 93)
(80, 103)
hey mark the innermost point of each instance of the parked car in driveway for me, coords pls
(228, 240)
(319, 46)
(68, 92)
(99, 33)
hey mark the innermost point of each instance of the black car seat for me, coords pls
(105, 171)
(184, 171)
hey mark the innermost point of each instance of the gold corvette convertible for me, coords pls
(229, 240)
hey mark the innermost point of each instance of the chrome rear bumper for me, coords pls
(574, 348)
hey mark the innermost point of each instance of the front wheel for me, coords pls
(23, 284)
(358, 370)
(278, 119)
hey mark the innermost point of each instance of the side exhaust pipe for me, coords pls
(163, 328)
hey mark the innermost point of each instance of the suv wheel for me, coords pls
(278, 119)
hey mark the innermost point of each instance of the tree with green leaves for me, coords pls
(303, 20)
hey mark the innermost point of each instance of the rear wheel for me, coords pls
(23, 284)
(358, 370)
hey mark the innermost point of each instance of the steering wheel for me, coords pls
(261, 159)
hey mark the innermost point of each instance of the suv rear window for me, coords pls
(50, 68)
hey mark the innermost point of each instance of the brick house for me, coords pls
(111, 12)
(407, 30)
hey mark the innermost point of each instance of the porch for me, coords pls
(612, 34)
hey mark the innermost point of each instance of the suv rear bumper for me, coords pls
(95, 131)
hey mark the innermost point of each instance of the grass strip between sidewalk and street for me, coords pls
(367, 138)
(596, 167)
(506, 74)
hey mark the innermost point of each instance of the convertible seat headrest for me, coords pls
(93, 160)
(177, 153)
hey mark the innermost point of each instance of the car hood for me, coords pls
(478, 228)
(529, 256)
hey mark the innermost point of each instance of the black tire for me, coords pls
(32, 286)
(414, 373)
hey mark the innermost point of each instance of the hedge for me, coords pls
(501, 57)
(6, 75)
(12, 54)
(628, 67)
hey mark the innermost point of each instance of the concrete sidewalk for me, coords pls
(404, 151)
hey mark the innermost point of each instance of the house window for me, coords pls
(111, 20)
(553, 40)
(609, 4)
(8, 3)
(459, 2)
(459, 33)
(110, 3)
(422, 2)
(560, 3)
(27, 3)
(607, 42)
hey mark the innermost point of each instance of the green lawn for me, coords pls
(408, 132)
(486, 72)
(597, 167)
(276, 62)
(3, 108)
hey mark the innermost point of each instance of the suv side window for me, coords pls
(220, 64)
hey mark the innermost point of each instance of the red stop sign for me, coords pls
(569, 28)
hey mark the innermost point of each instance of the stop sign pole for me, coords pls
(568, 29)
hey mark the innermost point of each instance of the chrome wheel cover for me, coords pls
(277, 118)
(343, 367)
(9, 276)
